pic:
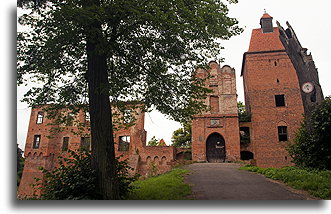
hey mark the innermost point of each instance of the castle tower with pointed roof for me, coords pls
(272, 97)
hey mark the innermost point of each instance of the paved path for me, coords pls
(223, 181)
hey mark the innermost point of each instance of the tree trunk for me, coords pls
(103, 154)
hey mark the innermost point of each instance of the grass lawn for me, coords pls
(168, 186)
(316, 182)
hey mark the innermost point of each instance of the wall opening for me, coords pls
(246, 155)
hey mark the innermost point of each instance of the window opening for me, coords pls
(36, 141)
(85, 143)
(87, 118)
(127, 116)
(280, 100)
(282, 133)
(65, 143)
(124, 143)
(40, 117)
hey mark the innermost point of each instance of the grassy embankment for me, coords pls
(168, 186)
(315, 182)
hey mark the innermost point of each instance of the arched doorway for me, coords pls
(215, 148)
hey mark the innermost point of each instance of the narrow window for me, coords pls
(65, 143)
(36, 141)
(85, 143)
(127, 116)
(282, 133)
(280, 100)
(40, 117)
(124, 143)
(214, 104)
(87, 119)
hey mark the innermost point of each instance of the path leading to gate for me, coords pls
(223, 181)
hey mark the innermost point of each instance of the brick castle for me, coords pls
(280, 86)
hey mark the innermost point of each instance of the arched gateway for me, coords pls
(215, 148)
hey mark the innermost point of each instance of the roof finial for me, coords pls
(265, 11)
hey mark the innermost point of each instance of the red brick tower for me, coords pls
(215, 133)
(272, 96)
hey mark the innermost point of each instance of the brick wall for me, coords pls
(222, 117)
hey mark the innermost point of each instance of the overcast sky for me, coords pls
(309, 19)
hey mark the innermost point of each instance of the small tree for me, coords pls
(182, 136)
(153, 142)
(20, 164)
(244, 116)
(312, 147)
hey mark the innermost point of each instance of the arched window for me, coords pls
(40, 117)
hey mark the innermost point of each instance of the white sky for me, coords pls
(310, 21)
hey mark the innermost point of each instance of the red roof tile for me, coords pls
(265, 41)
(265, 16)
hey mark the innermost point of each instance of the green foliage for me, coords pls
(75, 179)
(20, 165)
(312, 147)
(153, 142)
(244, 116)
(152, 50)
(316, 182)
(168, 186)
(182, 136)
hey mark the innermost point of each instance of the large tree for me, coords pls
(103, 51)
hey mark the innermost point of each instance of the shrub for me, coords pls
(312, 147)
(75, 179)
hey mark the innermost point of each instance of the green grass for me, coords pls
(168, 186)
(315, 182)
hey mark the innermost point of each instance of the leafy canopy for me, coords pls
(152, 49)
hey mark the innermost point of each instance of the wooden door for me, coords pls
(215, 148)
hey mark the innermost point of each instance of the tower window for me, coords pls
(36, 141)
(280, 100)
(65, 143)
(282, 133)
(85, 143)
(124, 143)
(87, 119)
(40, 117)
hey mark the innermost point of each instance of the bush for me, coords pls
(312, 147)
(75, 179)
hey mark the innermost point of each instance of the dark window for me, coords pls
(36, 141)
(124, 143)
(282, 133)
(244, 136)
(40, 117)
(280, 100)
(85, 143)
(246, 155)
(65, 143)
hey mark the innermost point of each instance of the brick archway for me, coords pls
(215, 148)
